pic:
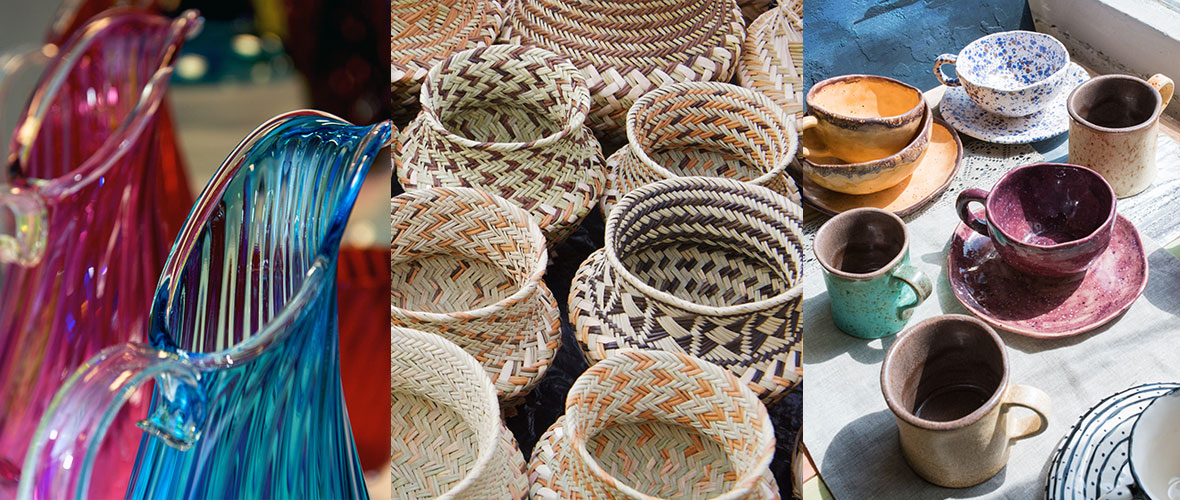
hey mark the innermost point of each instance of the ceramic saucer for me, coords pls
(937, 167)
(1047, 307)
(1093, 459)
(549, 468)
(960, 111)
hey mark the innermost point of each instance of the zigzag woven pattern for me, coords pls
(660, 424)
(708, 129)
(467, 265)
(510, 120)
(627, 48)
(446, 434)
(423, 33)
(704, 266)
(772, 57)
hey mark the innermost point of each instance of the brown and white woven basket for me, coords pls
(424, 32)
(510, 120)
(627, 48)
(467, 265)
(649, 425)
(447, 438)
(699, 265)
(772, 57)
(707, 129)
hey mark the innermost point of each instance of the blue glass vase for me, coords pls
(247, 399)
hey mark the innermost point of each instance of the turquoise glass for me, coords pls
(243, 355)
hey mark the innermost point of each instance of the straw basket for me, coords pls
(627, 48)
(509, 120)
(423, 33)
(446, 434)
(772, 57)
(706, 129)
(699, 265)
(467, 265)
(650, 424)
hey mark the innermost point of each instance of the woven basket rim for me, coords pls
(743, 486)
(580, 106)
(532, 282)
(673, 184)
(490, 442)
(758, 97)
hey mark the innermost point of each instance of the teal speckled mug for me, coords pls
(872, 288)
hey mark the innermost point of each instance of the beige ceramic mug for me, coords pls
(1113, 126)
(946, 381)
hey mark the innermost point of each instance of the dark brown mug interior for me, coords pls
(1050, 204)
(1115, 102)
(860, 242)
(947, 370)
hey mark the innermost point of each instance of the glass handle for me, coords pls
(19, 71)
(61, 455)
(23, 226)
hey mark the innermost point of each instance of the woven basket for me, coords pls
(772, 57)
(707, 129)
(509, 120)
(423, 33)
(446, 434)
(627, 48)
(699, 265)
(650, 424)
(467, 265)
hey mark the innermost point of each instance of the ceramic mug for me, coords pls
(862, 118)
(1155, 448)
(946, 381)
(1113, 126)
(872, 288)
(1048, 219)
(1013, 73)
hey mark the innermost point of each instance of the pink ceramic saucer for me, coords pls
(1047, 307)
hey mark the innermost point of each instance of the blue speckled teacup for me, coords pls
(1013, 73)
(872, 288)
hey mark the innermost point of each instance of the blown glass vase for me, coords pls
(86, 220)
(244, 357)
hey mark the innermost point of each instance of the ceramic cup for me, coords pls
(872, 288)
(1155, 448)
(1113, 126)
(1048, 219)
(946, 381)
(1013, 73)
(862, 118)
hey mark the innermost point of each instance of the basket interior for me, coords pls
(735, 139)
(428, 436)
(443, 283)
(513, 98)
(664, 461)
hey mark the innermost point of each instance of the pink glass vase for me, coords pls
(95, 198)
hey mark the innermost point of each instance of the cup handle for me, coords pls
(918, 281)
(1164, 86)
(963, 207)
(949, 81)
(59, 460)
(23, 226)
(1033, 399)
(803, 124)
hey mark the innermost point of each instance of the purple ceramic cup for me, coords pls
(1048, 219)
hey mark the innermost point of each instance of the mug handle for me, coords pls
(1033, 399)
(1164, 86)
(963, 207)
(803, 124)
(60, 457)
(918, 281)
(949, 81)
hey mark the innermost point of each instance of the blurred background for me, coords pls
(253, 60)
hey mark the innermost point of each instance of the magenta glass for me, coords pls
(94, 201)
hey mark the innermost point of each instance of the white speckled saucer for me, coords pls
(1093, 459)
(962, 113)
